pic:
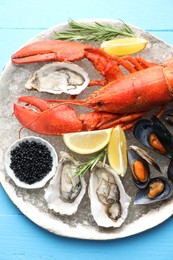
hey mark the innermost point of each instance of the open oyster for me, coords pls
(59, 77)
(65, 190)
(109, 201)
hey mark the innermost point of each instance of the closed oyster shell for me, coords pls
(59, 77)
(65, 191)
(109, 207)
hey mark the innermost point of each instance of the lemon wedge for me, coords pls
(117, 151)
(124, 46)
(87, 142)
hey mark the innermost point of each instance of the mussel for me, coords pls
(153, 134)
(139, 161)
(158, 189)
(170, 171)
(168, 116)
(139, 168)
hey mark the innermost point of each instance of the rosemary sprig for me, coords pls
(97, 32)
(82, 168)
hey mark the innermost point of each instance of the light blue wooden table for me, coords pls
(19, 237)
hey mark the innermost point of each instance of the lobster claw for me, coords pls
(49, 50)
(50, 119)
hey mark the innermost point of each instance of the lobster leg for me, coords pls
(97, 120)
(103, 63)
(126, 121)
(146, 64)
(162, 110)
(134, 64)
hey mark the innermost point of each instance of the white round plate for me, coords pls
(31, 202)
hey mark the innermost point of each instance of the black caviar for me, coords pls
(31, 161)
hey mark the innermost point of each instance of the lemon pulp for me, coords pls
(124, 46)
(117, 151)
(87, 142)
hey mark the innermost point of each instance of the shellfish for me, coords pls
(168, 116)
(108, 199)
(153, 134)
(170, 171)
(59, 77)
(139, 168)
(65, 190)
(139, 161)
(158, 189)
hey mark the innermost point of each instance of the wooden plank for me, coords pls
(35, 14)
(6, 205)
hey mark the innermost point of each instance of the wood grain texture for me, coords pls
(19, 237)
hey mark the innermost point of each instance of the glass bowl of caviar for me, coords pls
(31, 162)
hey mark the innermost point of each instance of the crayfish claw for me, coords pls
(41, 104)
(52, 119)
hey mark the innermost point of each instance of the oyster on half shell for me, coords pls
(65, 191)
(59, 77)
(108, 199)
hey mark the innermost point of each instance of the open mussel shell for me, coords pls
(159, 127)
(154, 134)
(139, 169)
(145, 156)
(168, 116)
(142, 130)
(158, 189)
(170, 171)
(163, 135)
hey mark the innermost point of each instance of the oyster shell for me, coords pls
(65, 191)
(59, 77)
(109, 201)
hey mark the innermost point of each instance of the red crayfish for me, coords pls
(122, 100)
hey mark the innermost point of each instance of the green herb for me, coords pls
(89, 165)
(98, 32)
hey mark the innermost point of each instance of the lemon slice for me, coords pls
(124, 46)
(117, 151)
(87, 142)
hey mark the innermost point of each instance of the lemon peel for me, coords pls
(124, 46)
(117, 151)
(87, 142)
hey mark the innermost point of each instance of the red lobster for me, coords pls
(122, 101)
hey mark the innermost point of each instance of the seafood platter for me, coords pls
(54, 87)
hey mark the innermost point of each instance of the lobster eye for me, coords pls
(100, 104)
